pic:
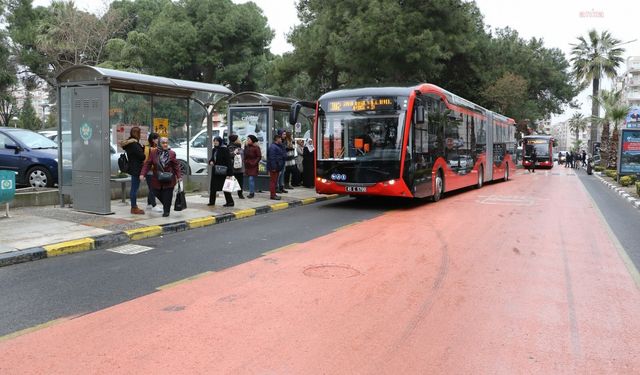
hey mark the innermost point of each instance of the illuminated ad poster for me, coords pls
(633, 118)
(630, 153)
(252, 121)
(122, 132)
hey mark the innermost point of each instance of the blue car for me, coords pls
(33, 156)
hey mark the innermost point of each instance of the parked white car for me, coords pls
(198, 160)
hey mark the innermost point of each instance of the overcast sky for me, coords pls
(558, 22)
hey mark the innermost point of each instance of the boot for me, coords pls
(136, 211)
(240, 195)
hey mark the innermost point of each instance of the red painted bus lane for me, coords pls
(517, 277)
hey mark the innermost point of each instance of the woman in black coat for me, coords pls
(220, 156)
(308, 164)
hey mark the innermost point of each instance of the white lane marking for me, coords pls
(130, 249)
(512, 200)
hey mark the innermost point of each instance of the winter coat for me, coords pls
(290, 159)
(135, 155)
(299, 157)
(220, 156)
(275, 157)
(152, 164)
(236, 149)
(252, 157)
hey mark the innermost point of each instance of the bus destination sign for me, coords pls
(362, 104)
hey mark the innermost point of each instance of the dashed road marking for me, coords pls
(130, 249)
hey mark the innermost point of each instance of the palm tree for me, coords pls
(577, 124)
(592, 58)
(614, 112)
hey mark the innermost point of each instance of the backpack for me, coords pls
(237, 161)
(123, 163)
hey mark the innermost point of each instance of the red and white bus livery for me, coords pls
(412, 142)
(543, 144)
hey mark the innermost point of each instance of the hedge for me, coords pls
(627, 180)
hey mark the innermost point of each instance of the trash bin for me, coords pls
(7, 186)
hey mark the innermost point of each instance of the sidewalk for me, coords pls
(38, 232)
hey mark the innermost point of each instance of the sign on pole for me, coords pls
(161, 126)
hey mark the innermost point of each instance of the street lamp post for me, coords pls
(15, 121)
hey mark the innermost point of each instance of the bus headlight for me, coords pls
(391, 182)
(324, 180)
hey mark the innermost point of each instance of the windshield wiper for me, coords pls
(44, 148)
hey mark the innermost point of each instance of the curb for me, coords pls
(635, 202)
(105, 241)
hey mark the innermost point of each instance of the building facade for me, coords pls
(631, 82)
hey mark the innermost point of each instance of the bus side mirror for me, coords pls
(293, 113)
(419, 114)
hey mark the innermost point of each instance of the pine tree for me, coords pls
(28, 117)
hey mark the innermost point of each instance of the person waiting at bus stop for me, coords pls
(275, 164)
(135, 155)
(220, 157)
(162, 160)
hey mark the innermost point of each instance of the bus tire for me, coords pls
(506, 173)
(439, 187)
(480, 177)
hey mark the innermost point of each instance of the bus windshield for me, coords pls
(542, 148)
(355, 136)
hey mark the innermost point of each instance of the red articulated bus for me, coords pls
(543, 144)
(413, 142)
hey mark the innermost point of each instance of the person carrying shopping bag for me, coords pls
(237, 156)
(166, 173)
(222, 169)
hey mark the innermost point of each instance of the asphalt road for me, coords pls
(622, 217)
(37, 292)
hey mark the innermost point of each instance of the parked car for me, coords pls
(198, 160)
(48, 133)
(32, 155)
(66, 146)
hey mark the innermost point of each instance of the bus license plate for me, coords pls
(356, 189)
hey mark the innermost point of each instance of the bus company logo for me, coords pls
(339, 177)
(592, 14)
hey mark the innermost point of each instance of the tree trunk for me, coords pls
(613, 147)
(604, 144)
(595, 113)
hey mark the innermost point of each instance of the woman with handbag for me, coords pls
(222, 169)
(166, 173)
(237, 157)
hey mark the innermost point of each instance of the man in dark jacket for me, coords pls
(275, 164)
(135, 155)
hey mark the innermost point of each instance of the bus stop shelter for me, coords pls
(263, 115)
(97, 108)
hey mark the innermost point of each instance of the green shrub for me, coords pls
(598, 168)
(627, 180)
(611, 173)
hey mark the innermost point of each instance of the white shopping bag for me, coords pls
(229, 184)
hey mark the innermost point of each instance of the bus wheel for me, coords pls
(480, 177)
(439, 188)
(506, 173)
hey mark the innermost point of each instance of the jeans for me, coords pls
(151, 197)
(133, 193)
(252, 184)
(281, 179)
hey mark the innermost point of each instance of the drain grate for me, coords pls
(331, 271)
(130, 249)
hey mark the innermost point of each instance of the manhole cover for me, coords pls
(331, 271)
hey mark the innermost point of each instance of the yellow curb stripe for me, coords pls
(245, 213)
(279, 206)
(309, 201)
(201, 222)
(286, 247)
(69, 247)
(32, 329)
(182, 281)
(142, 233)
